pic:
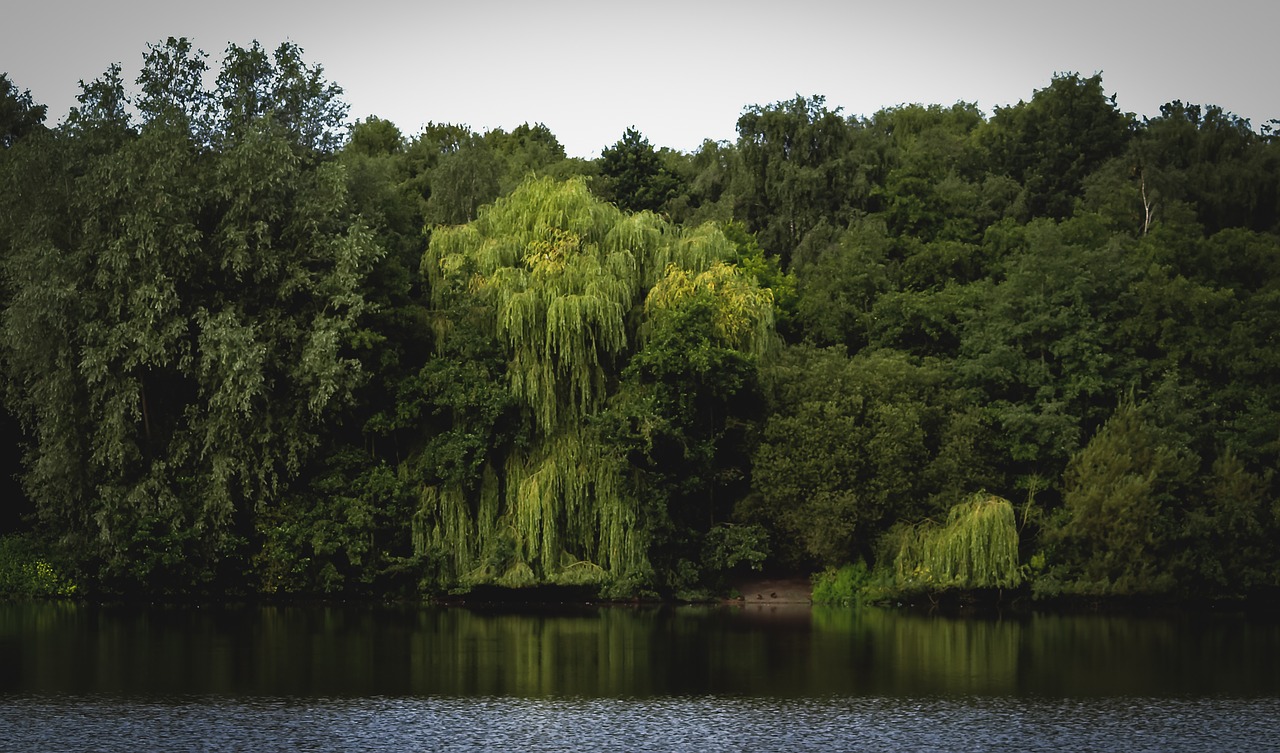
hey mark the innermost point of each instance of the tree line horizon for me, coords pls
(251, 348)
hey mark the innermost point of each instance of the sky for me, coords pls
(679, 72)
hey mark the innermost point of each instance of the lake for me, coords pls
(574, 678)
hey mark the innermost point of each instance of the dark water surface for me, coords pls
(80, 678)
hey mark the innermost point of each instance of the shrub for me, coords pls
(24, 573)
(843, 586)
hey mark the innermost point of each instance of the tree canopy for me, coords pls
(178, 326)
(254, 348)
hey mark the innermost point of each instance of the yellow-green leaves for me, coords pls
(569, 280)
(976, 548)
(564, 271)
(742, 312)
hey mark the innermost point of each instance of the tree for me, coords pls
(977, 547)
(1223, 544)
(283, 90)
(634, 176)
(839, 277)
(1120, 507)
(25, 176)
(424, 153)
(852, 445)
(934, 187)
(563, 278)
(709, 180)
(181, 308)
(462, 182)
(1052, 143)
(1042, 343)
(1213, 160)
(527, 150)
(19, 115)
(374, 137)
(684, 407)
(800, 169)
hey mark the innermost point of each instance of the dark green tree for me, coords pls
(633, 175)
(22, 172)
(283, 90)
(1042, 344)
(684, 411)
(1121, 507)
(464, 180)
(935, 185)
(1052, 143)
(800, 168)
(709, 179)
(839, 278)
(19, 115)
(424, 152)
(1214, 161)
(527, 150)
(853, 445)
(374, 137)
(181, 311)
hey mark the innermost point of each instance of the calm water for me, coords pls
(75, 678)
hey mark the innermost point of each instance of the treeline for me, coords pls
(257, 349)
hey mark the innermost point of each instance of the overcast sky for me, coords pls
(680, 72)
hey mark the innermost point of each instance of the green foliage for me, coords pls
(527, 150)
(1052, 143)
(852, 445)
(842, 586)
(710, 179)
(19, 115)
(767, 270)
(1042, 343)
(462, 182)
(27, 573)
(1211, 162)
(181, 306)
(839, 277)
(633, 175)
(341, 532)
(800, 169)
(374, 137)
(282, 89)
(977, 547)
(568, 282)
(1120, 499)
(1142, 516)
(684, 404)
(935, 188)
(244, 359)
(728, 547)
(1225, 540)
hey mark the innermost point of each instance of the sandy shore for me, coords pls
(763, 591)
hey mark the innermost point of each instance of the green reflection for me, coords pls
(58, 647)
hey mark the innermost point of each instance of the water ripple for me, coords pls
(705, 724)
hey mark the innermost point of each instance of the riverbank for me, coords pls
(777, 590)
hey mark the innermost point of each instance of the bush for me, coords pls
(24, 574)
(843, 586)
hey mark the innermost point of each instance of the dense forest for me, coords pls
(252, 348)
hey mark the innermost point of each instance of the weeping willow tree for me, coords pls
(976, 548)
(564, 278)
